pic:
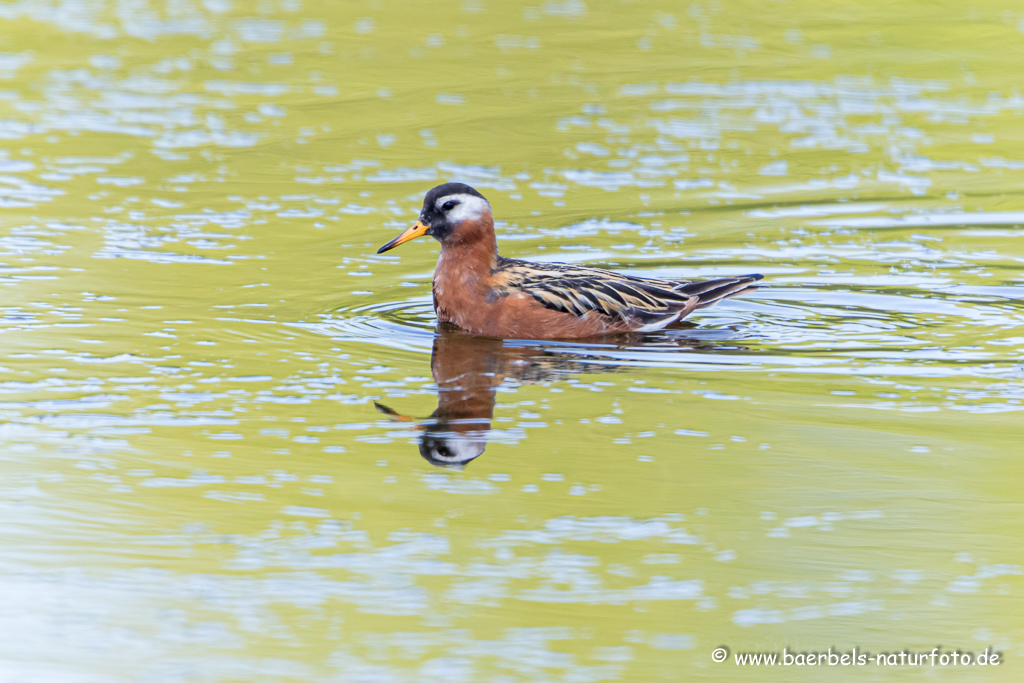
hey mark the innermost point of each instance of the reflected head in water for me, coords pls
(468, 371)
(442, 443)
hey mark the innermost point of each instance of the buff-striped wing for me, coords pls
(579, 290)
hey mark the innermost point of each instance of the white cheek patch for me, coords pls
(470, 207)
(458, 450)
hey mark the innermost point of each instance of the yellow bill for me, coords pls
(410, 234)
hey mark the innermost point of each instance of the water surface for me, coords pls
(196, 482)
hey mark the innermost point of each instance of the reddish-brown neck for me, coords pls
(464, 273)
(471, 246)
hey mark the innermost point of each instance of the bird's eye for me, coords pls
(449, 205)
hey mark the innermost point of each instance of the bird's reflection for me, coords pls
(468, 371)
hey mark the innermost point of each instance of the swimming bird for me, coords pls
(491, 295)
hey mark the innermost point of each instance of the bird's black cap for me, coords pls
(449, 188)
(430, 214)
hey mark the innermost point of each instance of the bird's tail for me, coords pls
(711, 292)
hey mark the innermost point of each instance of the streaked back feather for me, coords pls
(637, 302)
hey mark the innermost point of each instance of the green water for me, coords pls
(195, 482)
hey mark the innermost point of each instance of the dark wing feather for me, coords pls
(711, 292)
(578, 290)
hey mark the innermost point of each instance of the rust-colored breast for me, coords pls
(472, 306)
